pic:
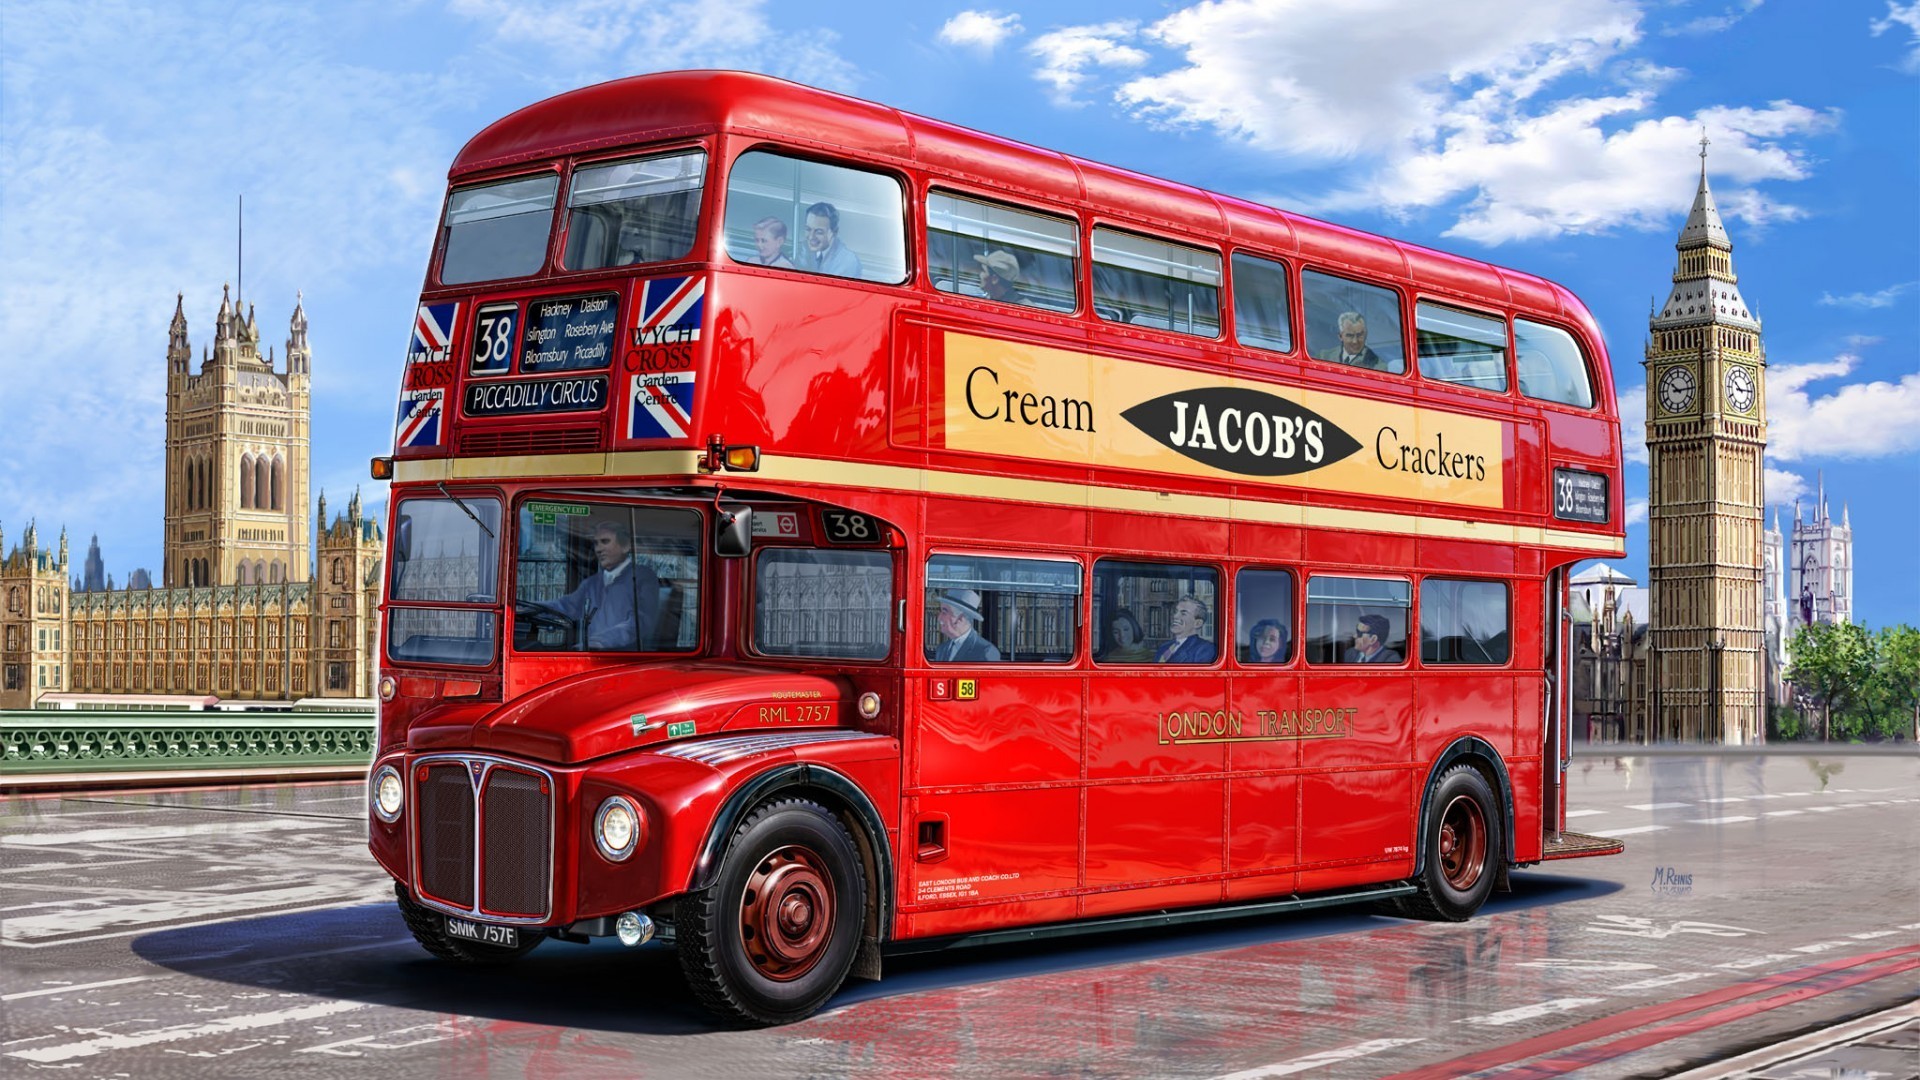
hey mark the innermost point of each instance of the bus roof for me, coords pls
(648, 108)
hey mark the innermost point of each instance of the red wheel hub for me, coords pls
(1463, 842)
(787, 913)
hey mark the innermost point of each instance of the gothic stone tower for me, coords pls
(1706, 431)
(237, 456)
(346, 592)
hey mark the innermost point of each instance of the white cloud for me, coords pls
(1531, 115)
(1884, 298)
(603, 39)
(1636, 512)
(1633, 424)
(1783, 487)
(982, 30)
(1714, 24)
(1909, 17)
(1858, 420)
(1066, 54)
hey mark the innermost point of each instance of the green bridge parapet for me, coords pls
(44, 741)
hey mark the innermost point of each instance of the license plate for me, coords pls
(506, 937)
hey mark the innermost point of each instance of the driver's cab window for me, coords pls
(599, 577)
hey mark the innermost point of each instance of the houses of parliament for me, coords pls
(249, 607)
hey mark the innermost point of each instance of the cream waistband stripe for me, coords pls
(975, 485)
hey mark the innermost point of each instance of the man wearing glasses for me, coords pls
(1369, 642)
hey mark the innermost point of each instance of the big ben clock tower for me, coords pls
(1706, 433)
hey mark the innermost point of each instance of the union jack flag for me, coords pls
(676, 302)
(432, 332)
(419, 421)
(662, 406)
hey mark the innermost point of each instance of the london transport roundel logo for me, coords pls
(1239, 430)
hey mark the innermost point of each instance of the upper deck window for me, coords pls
(1550, 364)
(796, 214)
(1353, 324)
(996, 252)
(1147, 282)
(1262, 316)
(634, 211)
(498, 230)
(1461, 347)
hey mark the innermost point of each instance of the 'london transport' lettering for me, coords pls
(1265, 725)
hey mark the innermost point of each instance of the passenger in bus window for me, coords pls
(1268, 643)
(1000, 278)
(1354, 350)
(614, 608)
(770, 243)
(825, 253)
(1188, 625)
(959, 622)
(1370, 642)
(1126, 642)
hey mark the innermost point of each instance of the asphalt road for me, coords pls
(244, 932)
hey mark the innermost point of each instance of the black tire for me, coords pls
(429, 928)
(1461, 851)
(773, 937)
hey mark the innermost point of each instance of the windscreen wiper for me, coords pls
(464, 508)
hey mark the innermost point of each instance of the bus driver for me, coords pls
(614, 609)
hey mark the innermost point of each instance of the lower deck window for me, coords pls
(984, 609)
(1464, 622)
(1357, 620)
(1156, 613)
(819, 603)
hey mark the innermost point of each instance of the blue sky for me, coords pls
(1556, 136)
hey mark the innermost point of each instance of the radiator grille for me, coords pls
(446, 834)
(508, 836)
(517, 823)
(567, 440)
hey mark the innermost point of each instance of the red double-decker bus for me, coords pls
(818, 531)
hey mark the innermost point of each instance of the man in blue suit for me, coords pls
(614, 609)
(1188, 622)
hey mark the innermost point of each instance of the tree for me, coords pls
(1896, 681)
(1834, 663)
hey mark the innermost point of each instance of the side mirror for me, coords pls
(732, 530)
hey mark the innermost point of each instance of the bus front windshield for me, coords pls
(606, 577)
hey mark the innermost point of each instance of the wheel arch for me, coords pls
(1477, 752)
(841, 797)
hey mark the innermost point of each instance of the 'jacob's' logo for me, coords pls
(1243, 431)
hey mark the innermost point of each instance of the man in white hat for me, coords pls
(958, 618)
(1000, 278)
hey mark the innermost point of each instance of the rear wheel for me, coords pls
(429, 928)
(1461, 851)
(774, 935)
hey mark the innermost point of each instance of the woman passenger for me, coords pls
(1268, 643)
(1126, 642)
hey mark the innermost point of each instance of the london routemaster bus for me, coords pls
(819, 532)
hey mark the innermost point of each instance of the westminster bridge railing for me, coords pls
(39, 742)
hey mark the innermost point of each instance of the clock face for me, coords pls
(1676, 389)
(1739, 387)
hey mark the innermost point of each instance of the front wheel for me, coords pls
(774, 935)
(1461, 851)
(429, 928)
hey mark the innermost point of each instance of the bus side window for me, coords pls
(1155, 283)
(631, 212)
(1262, 316)
(823, 603)
(1353, 324)
(1464, 622)
(1263, 615)
(1357, 620)
(794, 214)
(1461, 346)
(988, 609)
(1551, 367)
(1156, 613)
(999, 253)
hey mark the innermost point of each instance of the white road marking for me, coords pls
(73, 989)
(438, 1031)
(1795, 794)
(131, 1040)
(1757, 961)
(1871, 934)
(1823, 809)
(1784, 813)
(1911, 926)
(1573, 964)
(41, 931)
(1722, 820)
(1320, 1060)
(1662, 980)
(1530, 1012)
(1658, 806)
(1818, 947)
(1584, 813)
(1636, 829)
(132, 833)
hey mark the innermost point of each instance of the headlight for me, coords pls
(618, 828)
(388, 793)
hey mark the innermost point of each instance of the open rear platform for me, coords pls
(1573, 845)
